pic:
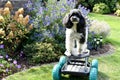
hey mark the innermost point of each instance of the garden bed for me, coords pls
(105, 50)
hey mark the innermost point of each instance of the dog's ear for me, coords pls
(82, 20)
(66, 21)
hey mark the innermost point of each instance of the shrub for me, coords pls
(48, 20)
(111, 4)
(117, 5)
(100, 28)
(101, 8)
(13, 28)
(90, 3)
(42, 52)
(117, 12)
(98, 32)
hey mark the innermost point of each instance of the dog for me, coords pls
(76, 32)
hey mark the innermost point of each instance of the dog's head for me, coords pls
(74, 17)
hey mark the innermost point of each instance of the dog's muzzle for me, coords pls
(74, 19)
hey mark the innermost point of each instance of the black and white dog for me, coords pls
(76, 32)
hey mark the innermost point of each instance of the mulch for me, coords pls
(106, 49)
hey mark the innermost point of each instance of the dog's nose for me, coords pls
(74, 19)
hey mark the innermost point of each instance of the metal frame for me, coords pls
(78, 65)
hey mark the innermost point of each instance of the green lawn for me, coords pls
(109, 66)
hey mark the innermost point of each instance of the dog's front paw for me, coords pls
(76, 53)
(67, 53)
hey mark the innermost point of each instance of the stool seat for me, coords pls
(82, 55)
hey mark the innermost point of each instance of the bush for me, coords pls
(98, 32)
(90, 3)
(48, 20)
(117, 12)
(100, 28)
(42, 52)
(101, 8)
(117, 5)
(111, 4)
(13, 28)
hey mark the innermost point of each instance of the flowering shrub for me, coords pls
(118, 5)
(117, 12)
(13, 28)
(98, 30)
(101, 8)
(8, 66)
(48, 20)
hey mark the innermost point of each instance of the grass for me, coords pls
(109, 66)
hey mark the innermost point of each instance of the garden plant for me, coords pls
(14, 29)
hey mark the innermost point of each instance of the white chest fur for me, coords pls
(72, 32)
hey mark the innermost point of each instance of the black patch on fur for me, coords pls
(82, 40)
(69, 24)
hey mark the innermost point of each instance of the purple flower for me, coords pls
(1, 57)
(14, 62)
(7, 70)
(1, 46)
(18, 66)
(28, 4)
(68, 2)
(62, 10)
(40, 10)
(21, 53)
(1, 65)
(31, 21)
(6, 56)
(51, 35)
(46, 9)
(83, 10)
(47, 21)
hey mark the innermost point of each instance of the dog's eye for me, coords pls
(75, 14)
